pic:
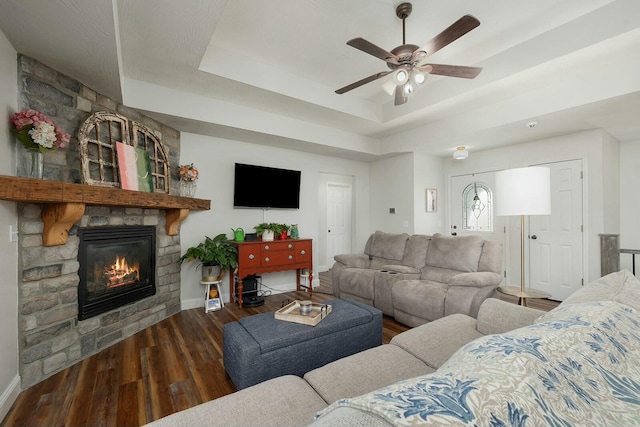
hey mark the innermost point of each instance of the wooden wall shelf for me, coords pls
(65, 203)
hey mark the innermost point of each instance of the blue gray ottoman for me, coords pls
(258, 348)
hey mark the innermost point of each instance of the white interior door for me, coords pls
(555, 241)
(338, 219)
(464, 219)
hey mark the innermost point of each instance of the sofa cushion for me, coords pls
(364, 372)
(422, 299)
(460, 253)
(442, 275)
(491, 258)
(497, 317)
(415, 251)
(386, 245)
(621, 286)
(282, 401)
(435, 342)
(358, 282)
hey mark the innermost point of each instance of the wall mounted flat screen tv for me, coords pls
(266, 188)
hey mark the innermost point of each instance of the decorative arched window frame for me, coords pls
(97, 138)
(477, 208)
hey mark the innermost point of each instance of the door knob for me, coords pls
(534, 237)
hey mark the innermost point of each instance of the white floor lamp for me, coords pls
(523, 191)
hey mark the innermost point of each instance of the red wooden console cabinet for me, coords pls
(266, 257)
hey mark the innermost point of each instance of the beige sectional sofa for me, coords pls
(292, 401)
(418, 278)
(513, 365)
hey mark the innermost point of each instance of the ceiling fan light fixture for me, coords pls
(417, 77)
(408, 88)
(400, 76)
(461, 153)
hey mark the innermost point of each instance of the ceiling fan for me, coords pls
(405, 61)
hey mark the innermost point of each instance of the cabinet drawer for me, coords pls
(249, 256)
(303, 251)
(277, 258)
(277, 246)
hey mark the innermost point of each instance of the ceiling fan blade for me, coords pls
(362, 82)
(456, 30)
(400, 98)
(372, 49)
(451, 70)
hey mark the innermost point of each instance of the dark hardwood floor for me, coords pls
(170, 366)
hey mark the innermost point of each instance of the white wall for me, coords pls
(629, 201)
(598, 152)
(429, 172)
(215, 159)
(9, 379)
(392, 186)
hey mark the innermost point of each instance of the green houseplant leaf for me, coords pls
(219, 250)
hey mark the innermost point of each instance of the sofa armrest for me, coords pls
(353, 260)
(496, 316)
(478, 279)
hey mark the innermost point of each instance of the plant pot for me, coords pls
(211, 272)
(283, 235)
(267, 235)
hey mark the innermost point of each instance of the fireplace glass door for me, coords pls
(117, 267)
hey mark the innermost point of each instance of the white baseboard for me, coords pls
(191, 303)
(8, 396)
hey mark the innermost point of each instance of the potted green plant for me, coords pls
(283, 231)
(267, 230)
(215, 255)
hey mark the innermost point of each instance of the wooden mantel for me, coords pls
(65, 203)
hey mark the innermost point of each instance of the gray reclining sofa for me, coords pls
(419, 278)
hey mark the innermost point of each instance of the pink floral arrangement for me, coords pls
(188, 172)
(38, 132)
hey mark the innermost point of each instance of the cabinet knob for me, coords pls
(266, 247)
(267, 259)
(303, 252)
(290, 256)
(251, 256)
(290, 245)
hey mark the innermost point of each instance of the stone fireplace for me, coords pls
(117, 267)
(53, 333)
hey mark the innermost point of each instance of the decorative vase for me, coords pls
(188, 188)
(211, 272)
(33, 164)
(267, 235)
(294, 231)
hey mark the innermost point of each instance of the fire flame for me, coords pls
(120, 273)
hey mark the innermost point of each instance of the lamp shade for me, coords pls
(523, 191)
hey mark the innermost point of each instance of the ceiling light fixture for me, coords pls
(532, 124)
(461, 153)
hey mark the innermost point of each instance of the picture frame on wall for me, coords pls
(432, 200)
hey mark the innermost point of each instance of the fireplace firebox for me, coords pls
(117, 267)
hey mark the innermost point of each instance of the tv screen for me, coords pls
(265, 187)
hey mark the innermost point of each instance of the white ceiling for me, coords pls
(265, 71)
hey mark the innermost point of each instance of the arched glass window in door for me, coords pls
(477, 208)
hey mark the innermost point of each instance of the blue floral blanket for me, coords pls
(579, 365)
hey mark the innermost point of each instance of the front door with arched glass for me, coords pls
(471, 208)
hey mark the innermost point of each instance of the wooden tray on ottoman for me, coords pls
(291, 313)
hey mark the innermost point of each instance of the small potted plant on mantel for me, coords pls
(215, 255)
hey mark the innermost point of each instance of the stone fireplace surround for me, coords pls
(50, 336)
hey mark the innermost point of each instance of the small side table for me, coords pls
(212, 296)
(516, 291)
